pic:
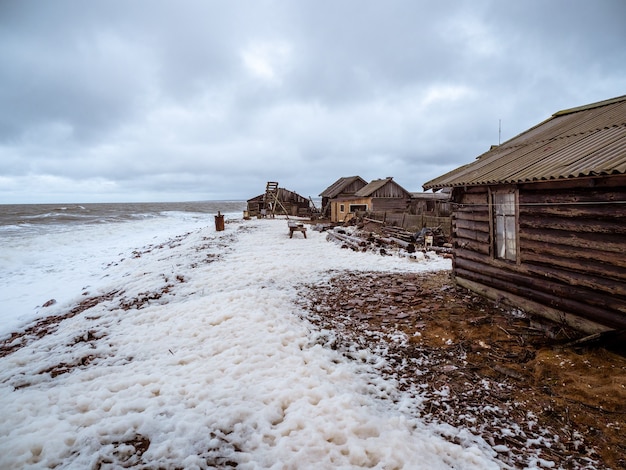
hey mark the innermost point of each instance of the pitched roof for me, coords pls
(338, 186)
(375, 185)
(284, 195)
(588, 140)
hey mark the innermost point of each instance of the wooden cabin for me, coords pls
(343, 187)
(539, 221)
(290, 204)
(382, 195)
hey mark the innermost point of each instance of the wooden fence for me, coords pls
(413, 222)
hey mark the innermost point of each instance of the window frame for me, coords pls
(359, 208)
(504, 221)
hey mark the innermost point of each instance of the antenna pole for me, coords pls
(499, 130)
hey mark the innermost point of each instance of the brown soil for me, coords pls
(506, 377)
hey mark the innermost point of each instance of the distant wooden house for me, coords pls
(343, 187)
(384, 195)
(430, 203)
(281, 202)
(539, 221)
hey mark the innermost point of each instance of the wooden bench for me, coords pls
(296, 228)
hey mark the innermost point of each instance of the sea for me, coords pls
(51, 252)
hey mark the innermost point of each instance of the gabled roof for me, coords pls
(376, 185)
(338, 186)
(588, 140)
(284, 195)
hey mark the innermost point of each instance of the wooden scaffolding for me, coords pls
(272, 199)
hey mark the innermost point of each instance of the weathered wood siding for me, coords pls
(346, 191)
(434, 207)
(293, 204)
(413, 223)
(352, 187)
(337, 215)
(390, 190)
(389, 204)
(571, 250)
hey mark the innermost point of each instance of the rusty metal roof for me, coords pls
(588, 140)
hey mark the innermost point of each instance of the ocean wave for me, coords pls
(54, 217)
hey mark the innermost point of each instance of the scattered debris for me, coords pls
(475, 365)
(50, 324)
(363, 234)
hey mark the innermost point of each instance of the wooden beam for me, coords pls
(512, 300)
(602, 309)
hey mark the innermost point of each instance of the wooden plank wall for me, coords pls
(382, 204)
(572, 249)
(412, 222)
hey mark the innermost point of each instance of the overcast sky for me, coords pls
(144, 100)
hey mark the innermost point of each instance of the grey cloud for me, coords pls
(161, 99)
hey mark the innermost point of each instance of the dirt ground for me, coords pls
(508, 378)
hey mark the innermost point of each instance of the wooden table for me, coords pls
(296, 228)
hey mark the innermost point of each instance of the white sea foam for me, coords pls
(220, 369)
(61, 261)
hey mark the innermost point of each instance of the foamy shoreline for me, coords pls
(202, 359)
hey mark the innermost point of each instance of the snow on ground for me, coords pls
(200, 358)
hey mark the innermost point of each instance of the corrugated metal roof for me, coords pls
(586, 141)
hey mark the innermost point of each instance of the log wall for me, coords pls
(572, 250)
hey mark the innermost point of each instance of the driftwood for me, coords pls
(399, 233)
(596, 338)
(367, 219)
(441, 249)
(410, 247)
(364, 241)
(354, 243)
(356, 240)
(389, 238)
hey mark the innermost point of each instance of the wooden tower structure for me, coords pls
(272, 198)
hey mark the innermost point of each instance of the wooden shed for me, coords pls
(344, 187)
(539, 221)
(290, 203)
(383, 195)
(431, 203)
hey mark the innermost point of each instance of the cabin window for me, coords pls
(342, 208)
(358, 207)
(505, 225)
